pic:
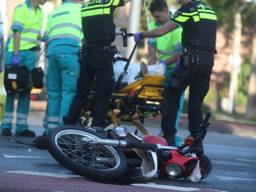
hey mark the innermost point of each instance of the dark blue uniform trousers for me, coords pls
(194, 71)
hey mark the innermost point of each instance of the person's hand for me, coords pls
(138, 37)
(16, 59)
(162, 63)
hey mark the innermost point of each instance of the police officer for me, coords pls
(22, 47)
(199, 24)
(97, 57)
(64, 39)
(167, 49)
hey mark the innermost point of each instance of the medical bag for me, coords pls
(17, 78)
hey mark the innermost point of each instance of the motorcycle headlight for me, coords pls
(174, 170)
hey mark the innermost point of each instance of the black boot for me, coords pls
(42, 142)
(198, 148)
(170, 140)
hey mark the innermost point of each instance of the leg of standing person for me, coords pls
(69, 75)
(199, 86)
(176, 86)
(54, 93)
(103, 86)
(84, 85)
(29, 59)
(178, 119)
(6, 125)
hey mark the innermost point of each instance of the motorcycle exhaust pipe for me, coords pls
(121, 143)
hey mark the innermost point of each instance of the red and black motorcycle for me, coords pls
(115, 154)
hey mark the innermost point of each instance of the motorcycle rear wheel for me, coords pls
(94, 161)
(205, 166)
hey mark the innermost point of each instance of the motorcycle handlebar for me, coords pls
(125, 35)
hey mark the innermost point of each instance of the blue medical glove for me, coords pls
(138, 37)
(16, 59)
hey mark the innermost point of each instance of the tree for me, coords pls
(249, 20)
(232, 15)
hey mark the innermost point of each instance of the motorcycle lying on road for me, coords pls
(115, 154)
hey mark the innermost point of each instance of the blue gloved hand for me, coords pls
(16, 59)
(138, 37)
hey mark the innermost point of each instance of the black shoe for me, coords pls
(171, 140)
(25, 133)
(198, 148)
(6, 132)
(41, 142)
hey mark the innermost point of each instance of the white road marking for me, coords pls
(230, 148)
(228, 178)
(238, 164)
(247, 160)
(22, 157)
(47, 174)
(168, 187)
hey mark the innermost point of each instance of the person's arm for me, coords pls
(152, 57)
(179, 19)
(17, 27)
(160, 31)
(16, 42)
(173, 59)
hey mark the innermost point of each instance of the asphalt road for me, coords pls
(25, 168)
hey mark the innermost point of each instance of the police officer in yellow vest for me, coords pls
(97, 58)
(22, 47)
(199, 23)
(167, 49)
(64, 39)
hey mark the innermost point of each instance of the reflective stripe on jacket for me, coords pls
(65, 23)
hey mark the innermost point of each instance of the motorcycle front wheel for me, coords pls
(205, 166)
(95, 161)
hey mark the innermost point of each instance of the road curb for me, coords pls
(216, 125)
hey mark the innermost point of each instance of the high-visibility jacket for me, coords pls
(64, 24)
(199, 23)
(27, 21)
(97, 20)
(168, 44)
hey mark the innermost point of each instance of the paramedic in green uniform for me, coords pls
(167, 50)
(22, 48)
